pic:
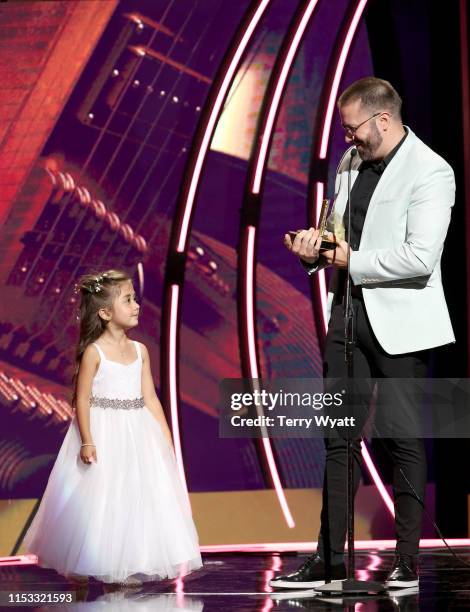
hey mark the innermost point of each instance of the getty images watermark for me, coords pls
(274, 402)
(318, 408)
(283, 408)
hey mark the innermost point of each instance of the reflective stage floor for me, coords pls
(240, 582)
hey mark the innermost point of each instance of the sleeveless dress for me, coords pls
(128, 513)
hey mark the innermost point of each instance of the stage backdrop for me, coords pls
(102, 111)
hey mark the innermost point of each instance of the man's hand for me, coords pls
(306, 244)
(338, 257)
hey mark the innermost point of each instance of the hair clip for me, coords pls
(98, 280)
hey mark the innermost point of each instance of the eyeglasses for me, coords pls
(351, 131)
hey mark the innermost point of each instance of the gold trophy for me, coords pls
(332, 224)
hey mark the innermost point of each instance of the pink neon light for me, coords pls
(18, 560)
(321, 277)
(276, 565)
(250, 318)
(173, 383)
(362, 574)
(320, 190)
(179, 585)
(268, 604)
(260, 163)
(277, 483)
(274, 547)
(375, 563)
(250, 310)
(211, 123)
(376, 478)
(309, 546)
(365, 574)
(323, 295)
(337, 78)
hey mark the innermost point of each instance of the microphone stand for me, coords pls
(351, 586)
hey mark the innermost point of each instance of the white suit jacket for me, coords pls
(399, 256)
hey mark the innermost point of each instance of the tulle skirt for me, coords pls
(125, 515)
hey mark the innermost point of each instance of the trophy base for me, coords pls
(328, 245)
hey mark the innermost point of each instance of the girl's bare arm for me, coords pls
(88, 367)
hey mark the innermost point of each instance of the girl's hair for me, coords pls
(96, 291)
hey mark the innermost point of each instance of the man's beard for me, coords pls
(367, 148)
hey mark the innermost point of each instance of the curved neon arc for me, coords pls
(173, 384)
(252, 351)
(263, 138)
(182, 232)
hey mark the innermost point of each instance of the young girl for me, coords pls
(114, 507)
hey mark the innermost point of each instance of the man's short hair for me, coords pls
(374, 94)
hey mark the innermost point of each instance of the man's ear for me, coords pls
(385, 120)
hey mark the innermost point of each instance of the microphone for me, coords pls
(353, 154)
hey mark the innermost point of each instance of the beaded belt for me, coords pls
(126, 404)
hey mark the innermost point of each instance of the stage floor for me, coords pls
(240, 582)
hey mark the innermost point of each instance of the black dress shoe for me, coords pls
(311, 574)
(404, 573)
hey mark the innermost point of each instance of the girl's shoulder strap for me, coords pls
(137, 346)
(100, 351)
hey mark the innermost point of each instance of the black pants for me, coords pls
(370, 361)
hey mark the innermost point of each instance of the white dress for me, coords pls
(127, 514)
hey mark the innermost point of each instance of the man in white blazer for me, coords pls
(401, 199)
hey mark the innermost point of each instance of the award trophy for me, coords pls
(332, 224)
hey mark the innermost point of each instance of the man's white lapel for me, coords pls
(395, 172)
